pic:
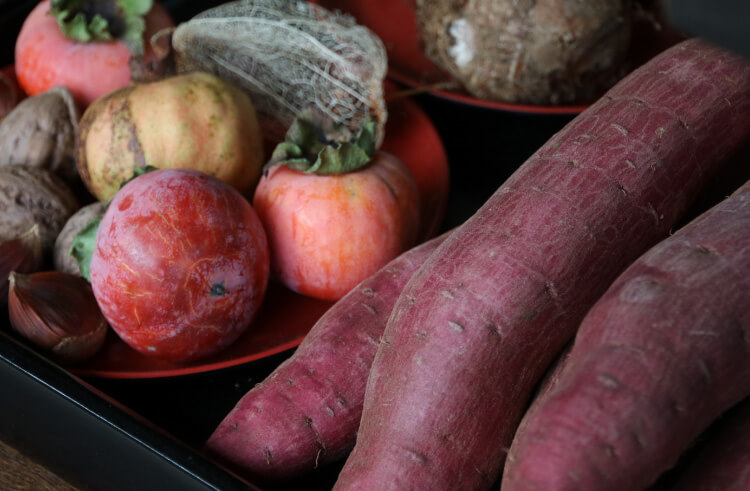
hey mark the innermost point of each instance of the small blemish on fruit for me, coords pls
(417, 457)
(608, 381)
(609, 450)
(550, 290)
(494, 330)
(620, 128)
(370, 309)
(218, 289)
(447, 294)
(125, 203)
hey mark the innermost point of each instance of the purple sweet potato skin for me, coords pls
(659, 357)
(307, 411)
(723, 461)
(475, 327)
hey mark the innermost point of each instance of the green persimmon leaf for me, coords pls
(84, 242)
(82, 248)
(138, 172)
(103, 20)
(313, 147)
(136, 7)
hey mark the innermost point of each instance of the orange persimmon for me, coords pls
(329, 232)
(45, 57)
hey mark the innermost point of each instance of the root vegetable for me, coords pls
(307, 411)
(658, 358)
(475, 327)
(540, 52)
(722, 462)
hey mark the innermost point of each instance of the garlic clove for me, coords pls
(22, 254)
(58, 313)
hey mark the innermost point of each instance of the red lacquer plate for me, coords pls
(285, 316)
(394, 21)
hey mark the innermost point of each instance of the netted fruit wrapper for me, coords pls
(290, 56)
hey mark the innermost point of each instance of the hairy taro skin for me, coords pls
(534, 52)
(181, 264)
(191, 121)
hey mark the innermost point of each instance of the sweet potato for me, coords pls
(722, 462)
(659, 357)
(475, 327)
(306, 412)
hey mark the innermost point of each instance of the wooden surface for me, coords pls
(18, 473)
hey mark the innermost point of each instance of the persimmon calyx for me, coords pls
(316, 145)
(103, 20)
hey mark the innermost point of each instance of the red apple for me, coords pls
(181, 264)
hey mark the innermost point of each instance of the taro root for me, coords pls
(192, 121)
(58, 313)
(40, 132)
(33, 195)
(22, 254)
(63, 259)
(528, 51)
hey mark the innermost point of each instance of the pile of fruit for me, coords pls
(168, 188)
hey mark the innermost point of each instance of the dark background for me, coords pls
(85, 434)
